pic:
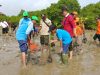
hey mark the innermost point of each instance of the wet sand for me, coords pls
(87, 63)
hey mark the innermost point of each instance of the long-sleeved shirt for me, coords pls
(69, 24)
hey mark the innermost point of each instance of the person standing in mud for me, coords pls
(22, 34)
(79, 30)
(97, 35)
(69, 25)
(44, 34)
(5, 27)
(63, 37)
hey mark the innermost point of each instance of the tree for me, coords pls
(91, 11)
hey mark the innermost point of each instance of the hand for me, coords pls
(51, 41)
(61, 50)
(76, 35)
(29, 42)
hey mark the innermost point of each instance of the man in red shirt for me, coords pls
(69, 25)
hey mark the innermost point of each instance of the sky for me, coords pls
(13, 7)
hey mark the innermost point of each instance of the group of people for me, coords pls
(72, 30)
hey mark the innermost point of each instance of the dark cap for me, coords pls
(64, 8)
(52, 27)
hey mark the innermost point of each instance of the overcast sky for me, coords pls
(13, 7)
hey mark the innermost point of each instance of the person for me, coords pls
(79, 30)
(78, 22)
(36, 30)
(44, 35)
(69, 25)
(5, 27)
(79, 37)
(97, 35)
(63, 37)
(22, 34)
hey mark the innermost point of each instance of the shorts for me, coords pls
(23, 45)
(71, 47)
(5, 30)
(35, 30)
(44, 39)
(96, 36)
(65, 48)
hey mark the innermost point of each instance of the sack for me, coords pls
(32, 46)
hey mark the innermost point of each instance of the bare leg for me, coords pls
(23, 56)
(95, 42)
(99, 43)
(42, 55)
(70, 55)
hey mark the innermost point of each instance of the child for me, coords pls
(97, 35)
(64, 38)
(79, 33)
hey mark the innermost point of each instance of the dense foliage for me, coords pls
(88, 14)
(91, 12)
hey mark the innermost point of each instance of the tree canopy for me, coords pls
(88, 13)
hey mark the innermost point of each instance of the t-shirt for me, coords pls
(25, 27)
(69, 24)
(44, 28)
(98, 28)
(3, 25)
(79, 30)
(64, 36)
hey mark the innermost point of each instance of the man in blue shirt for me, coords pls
(22, 34)
(63, 36)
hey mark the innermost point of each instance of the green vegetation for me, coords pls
(91, 12)
(88, 14)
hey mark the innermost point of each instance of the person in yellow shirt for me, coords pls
(97, 35)
(79, 31)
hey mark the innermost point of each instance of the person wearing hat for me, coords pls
(22, 34)
(79, 30)
(69, 25)
(63, 37)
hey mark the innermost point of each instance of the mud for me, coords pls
(87, 63)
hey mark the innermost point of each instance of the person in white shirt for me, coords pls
(44, 34)
(5, 28)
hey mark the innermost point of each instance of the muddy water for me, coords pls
(87, 63)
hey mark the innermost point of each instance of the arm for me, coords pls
(71, 20)
(49, 22)
(29, 29)
(40, 27)
(75, 32)
(60, 44)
